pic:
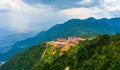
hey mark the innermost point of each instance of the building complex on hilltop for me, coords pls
(64, 43)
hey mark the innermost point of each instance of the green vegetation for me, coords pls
(26, 59)
(86, 28)
(101, 53)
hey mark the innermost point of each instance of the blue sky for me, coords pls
(30, 15)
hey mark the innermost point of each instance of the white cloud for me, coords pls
(21, 15)
(112, 5)
(9, 4)
(24, 17)
(103, 11)
(83, 13)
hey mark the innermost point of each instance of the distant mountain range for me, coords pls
(90, 27)
(7, 41)
(75, 27)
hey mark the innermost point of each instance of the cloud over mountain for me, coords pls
(26, 15)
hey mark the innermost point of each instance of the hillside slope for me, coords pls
(75, 27)
(101, 53)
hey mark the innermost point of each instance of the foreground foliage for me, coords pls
(101, 53)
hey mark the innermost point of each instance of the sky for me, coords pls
(38, 15)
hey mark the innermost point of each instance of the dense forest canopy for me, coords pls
(101, 53)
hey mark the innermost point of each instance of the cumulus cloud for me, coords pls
(112, 5)
(84, 8)
(105, 9)
(26, 15)
(20, 16)
(83, 13)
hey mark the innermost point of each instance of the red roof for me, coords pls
(61, 39)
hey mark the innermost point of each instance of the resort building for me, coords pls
(64, 43)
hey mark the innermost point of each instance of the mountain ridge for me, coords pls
(73, 27)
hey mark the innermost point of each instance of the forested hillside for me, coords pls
(101, 53)
(86, 28)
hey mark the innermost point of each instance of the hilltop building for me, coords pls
(64, 43)
(61, 42)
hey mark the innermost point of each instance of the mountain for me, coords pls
(86, 28)
(100, 53)
(75, 27)
(7, 41)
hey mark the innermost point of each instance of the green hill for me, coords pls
(75, 27)
(101, 53)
